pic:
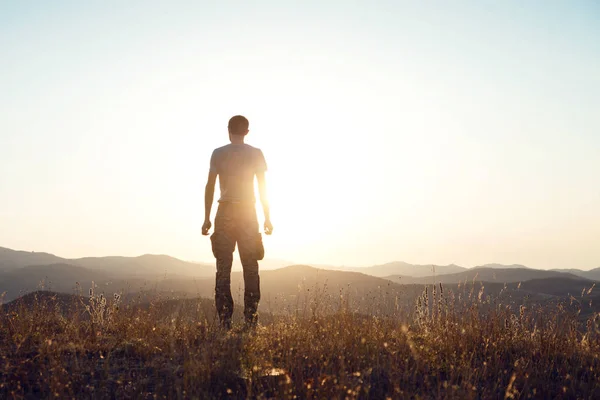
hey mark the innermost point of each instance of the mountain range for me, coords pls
(162, 264)
(483, 274)
(381, 287)
(593, 274)
(305, 290)
(144, 265)
(403, 268)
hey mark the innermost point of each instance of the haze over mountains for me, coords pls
(483, 274)
(23, 272)
(153, 264)
(403, 268)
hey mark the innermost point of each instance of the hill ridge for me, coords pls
(507, 275)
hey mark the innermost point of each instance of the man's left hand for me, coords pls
(268, 227)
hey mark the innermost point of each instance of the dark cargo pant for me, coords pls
(237, 223)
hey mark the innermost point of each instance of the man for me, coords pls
(236, 165)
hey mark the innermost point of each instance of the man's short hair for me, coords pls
(238, 125)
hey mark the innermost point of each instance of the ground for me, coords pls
(101, 348)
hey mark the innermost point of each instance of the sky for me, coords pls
(463, 132)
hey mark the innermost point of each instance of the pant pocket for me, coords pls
(221, 245)
(213, 245)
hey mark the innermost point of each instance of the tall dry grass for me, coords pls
(455, 344)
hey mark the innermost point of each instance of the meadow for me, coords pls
(459, 343)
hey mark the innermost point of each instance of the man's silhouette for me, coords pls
(236, 164)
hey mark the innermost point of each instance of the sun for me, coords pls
(308, 210)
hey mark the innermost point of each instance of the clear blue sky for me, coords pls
(432, 132)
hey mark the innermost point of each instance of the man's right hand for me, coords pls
(206, 227)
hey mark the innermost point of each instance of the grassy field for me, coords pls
(462, 345)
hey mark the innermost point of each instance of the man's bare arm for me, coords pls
(262, 190)
(209, 195)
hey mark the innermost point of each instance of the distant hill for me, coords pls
(266, 264)
(125, 266)
(147, 264)
(501, 266)
(10, 259)
(561, 287)
(486, 275)
(593, 274)
(56, 277)
(44, 300)
(405, 269)
(64, 278)
(297, 278)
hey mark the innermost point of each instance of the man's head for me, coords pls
(238, 125)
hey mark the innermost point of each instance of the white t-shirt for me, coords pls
(236, 166)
